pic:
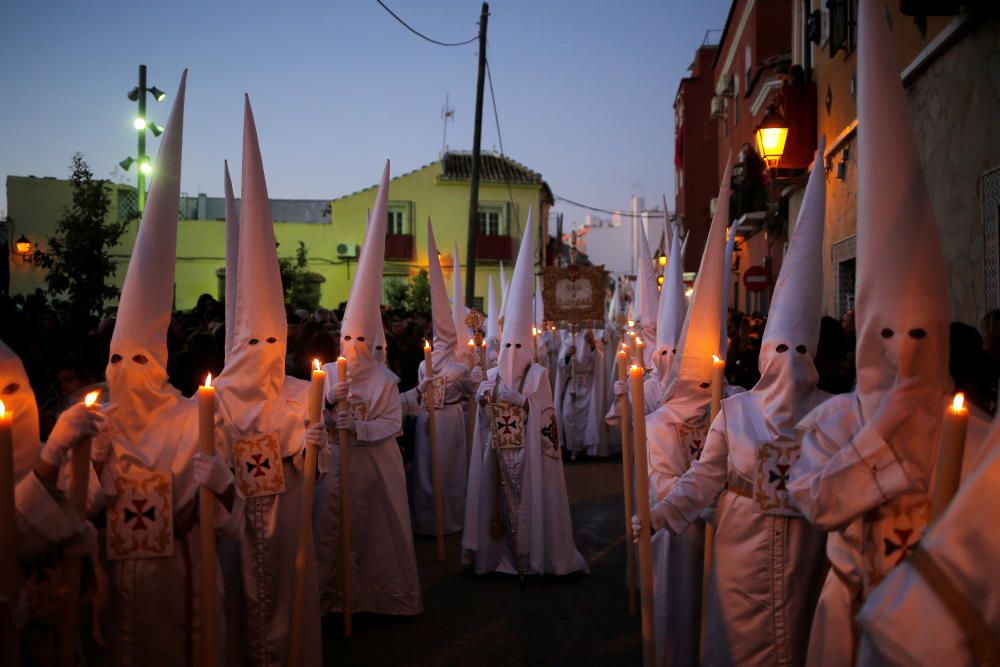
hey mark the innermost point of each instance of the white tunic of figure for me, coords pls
(767, 568)
(850, 482)
(579, 392)
(529, 443)
(383, 561)
(452, 450)
(905, 621)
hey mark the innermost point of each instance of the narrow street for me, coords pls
(472, 620)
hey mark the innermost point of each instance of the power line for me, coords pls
(648, 214)
(496, 118)
(420, 34)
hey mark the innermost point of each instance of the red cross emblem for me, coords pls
(140, 513)
(259, 463)
(695, 448)
(780, 477)
(904, 547)
(507, 425)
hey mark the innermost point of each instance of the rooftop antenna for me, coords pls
(447, 113)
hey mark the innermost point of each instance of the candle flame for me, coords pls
(959, 403)
(472, 342)
(316, 365)
(631, 323)
(3, 409)
(427, 344)
(633, 367)
(341, 358)
(91, 398)
(716, 359)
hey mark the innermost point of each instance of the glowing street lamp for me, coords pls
(141, 124)
(771, 135)
(22, 247)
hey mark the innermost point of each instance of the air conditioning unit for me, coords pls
(347, 250)
(717, 108)
(724, 86)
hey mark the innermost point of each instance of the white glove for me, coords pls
(621, 388)
(476, 374)
(657, 516)
(485, 389)
(340, 392)
(508, 395)
(316, 436)
(85, 543)
(212, 472)
(897, 407)
(74, 424)
(345, 422)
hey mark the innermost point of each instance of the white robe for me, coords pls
(850, 482)
(452, 454)
(579, 394)
(154, 600)
(544, 527)
(260, 572)
(903, 621)
(767, 569)
(383, 562)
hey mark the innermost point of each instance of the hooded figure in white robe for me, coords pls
(451, 385)
(263, 416)
(520, 525)
(579, 393)
(940, 606)
(383, 562)
(867, 456)
(676, 434)
(45, 522)
(768, 561)
(153, 470)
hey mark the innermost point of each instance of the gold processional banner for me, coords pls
(574, 294)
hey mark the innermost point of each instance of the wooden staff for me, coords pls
(642, 500)
(470, 403)
(346, 583)
(627, 475)
(305, 521)
(948, 469)
(8, 536)
(718, 376)
(206, 526)
(72, 566)
(435, 463)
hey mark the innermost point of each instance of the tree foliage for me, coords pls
(300, 285)
(419, 293)
(78, 260)
(397, 295)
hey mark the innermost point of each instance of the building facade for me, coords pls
(332, 231)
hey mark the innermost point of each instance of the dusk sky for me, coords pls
(584, 90)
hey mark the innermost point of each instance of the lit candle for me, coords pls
(435, 465)
(428, 366)
(640, 352)
(948, 473)
(718, 376)
(316, 392)
(8, 561)
(343, 450)
(630, 572)
(642, 500)
(206, 525)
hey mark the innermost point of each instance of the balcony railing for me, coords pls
(494, 247)
(399, 247)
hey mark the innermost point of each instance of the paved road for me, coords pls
(480, 621)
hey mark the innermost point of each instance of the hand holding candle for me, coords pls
(435, 464)
(642, 501)
(206, 526)
(630, 571)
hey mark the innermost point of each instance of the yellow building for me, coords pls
(332, 231)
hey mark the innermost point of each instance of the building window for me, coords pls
(493, 219)
(736, 101)
(990, 189)
(400, 218)
(843, 255)
(748, 63)
(843, 24)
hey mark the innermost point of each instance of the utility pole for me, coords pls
(470, 250)
(140, 173)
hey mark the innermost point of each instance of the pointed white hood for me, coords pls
(359, 330)
(647, 298)
(255, 371)
(516, 343)
(492, 311)
(458, 306)
(615, 307)
(539, 304)
(902, 301)
(19, 399)
(788, 376)
(690, 388)
(504, 291)
(445, 337)
(727, 279)
(137, 368)
(232, 258)
(671, 316)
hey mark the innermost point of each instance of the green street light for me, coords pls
(145, 167)
(138, 95)
(140, 123)
(126, 164)
(157, 130)
(158, 94)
